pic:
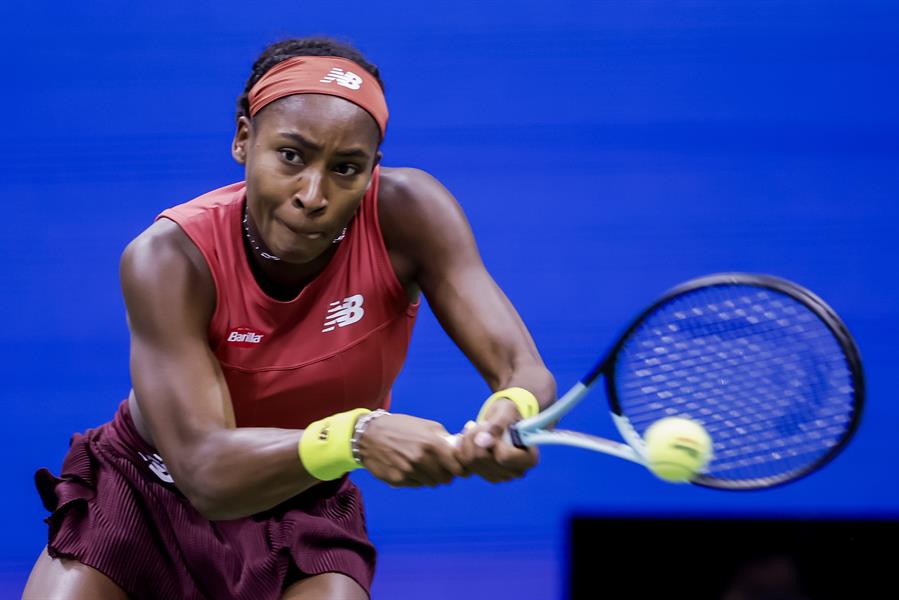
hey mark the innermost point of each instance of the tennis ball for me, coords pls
(677, 449)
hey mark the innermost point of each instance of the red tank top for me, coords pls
(338, 345)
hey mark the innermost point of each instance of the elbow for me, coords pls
(212, 500)
(210, 505)
(206, 505)
(199, 488)
(212, 513)
(202, 479)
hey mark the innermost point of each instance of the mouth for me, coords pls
(303, 232)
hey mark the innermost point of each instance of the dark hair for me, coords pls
(285, 49)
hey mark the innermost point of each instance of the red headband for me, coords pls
(321, 75)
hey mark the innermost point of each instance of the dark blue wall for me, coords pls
(603, 152)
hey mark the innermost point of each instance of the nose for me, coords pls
(310, 193)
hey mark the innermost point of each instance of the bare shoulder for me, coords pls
(407, 184)
(163, 266)
(412, 202)
(422, 223)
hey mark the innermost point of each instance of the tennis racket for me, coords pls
(765, 366)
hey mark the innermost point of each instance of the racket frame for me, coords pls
(535, 430)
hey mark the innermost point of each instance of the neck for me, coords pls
(277, 278)
(283, 280)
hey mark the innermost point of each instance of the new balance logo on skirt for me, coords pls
(344, 312)
(347, 79)
(157, 465)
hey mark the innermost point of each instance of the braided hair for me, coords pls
(289, 48)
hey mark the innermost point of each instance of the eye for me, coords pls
(291, 156)
(347, 169)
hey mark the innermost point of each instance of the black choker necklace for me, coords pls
(255, 245)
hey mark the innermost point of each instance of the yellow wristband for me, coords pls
(325, 448)
(525, 401)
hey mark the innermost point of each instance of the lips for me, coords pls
(310, 234)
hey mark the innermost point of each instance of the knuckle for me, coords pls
(483, 464)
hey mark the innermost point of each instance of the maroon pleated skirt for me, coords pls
(114, 508)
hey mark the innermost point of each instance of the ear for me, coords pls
(241, 140)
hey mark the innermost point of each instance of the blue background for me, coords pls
(603, 152)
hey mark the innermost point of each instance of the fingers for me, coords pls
(417, 456)
(516, 461)
(475, 452)
(484, 452)
(403, 473)
(405, 451)
(438, 463)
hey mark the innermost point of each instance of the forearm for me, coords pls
(500, 347)
(521, 363)
(234, 473)
(496, 340)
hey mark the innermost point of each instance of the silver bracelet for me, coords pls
(359, 430)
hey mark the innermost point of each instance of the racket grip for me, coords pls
(513, 436)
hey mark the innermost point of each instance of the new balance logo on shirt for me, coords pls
(344, 312)
(347, 79)
(340, 314)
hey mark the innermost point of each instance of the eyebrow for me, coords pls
(306, 143)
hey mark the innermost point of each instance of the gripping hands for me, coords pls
(406, 451)
(483, 448)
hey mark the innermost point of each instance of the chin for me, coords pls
(301, 256)
(298, 251)
(290, 259)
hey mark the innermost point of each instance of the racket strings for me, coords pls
(758, 369)
(741, 376)
(774, 437)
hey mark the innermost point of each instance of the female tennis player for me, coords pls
(268, 321)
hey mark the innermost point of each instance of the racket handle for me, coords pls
(513, 436)
(510, 436)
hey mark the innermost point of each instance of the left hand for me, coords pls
(483, 451)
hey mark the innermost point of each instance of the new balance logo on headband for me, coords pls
(347, 79)
(343, 313)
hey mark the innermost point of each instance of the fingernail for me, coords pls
(483, 440)
(469, 425)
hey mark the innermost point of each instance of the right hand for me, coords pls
(406, 451)
(483, 450)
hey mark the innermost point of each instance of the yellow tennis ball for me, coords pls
(677, 449)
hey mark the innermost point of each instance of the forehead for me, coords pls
(325, 119)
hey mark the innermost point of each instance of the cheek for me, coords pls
(264, 178)
(346, 208)
(260, 163)
(349, 197)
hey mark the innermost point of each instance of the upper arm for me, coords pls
(170, 297)
(425, 222)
